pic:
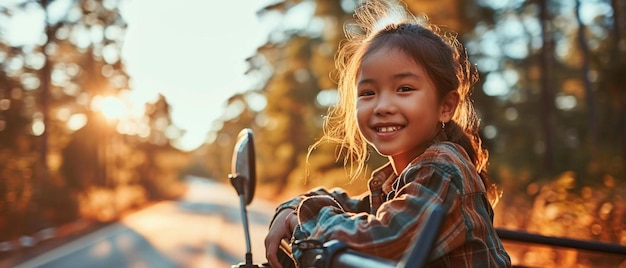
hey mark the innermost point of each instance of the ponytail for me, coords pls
(478, 155)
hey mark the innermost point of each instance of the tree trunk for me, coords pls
(619, 22)
(592, 126)
(547, 96)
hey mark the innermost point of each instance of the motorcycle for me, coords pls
(316, 254)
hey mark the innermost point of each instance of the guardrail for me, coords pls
(520, 236)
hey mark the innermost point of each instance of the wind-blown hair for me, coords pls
(387, 24)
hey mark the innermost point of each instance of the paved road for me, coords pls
(203, 229)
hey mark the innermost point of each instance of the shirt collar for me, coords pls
(383, 177)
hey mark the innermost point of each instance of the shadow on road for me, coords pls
(231, 213)
(119, 247)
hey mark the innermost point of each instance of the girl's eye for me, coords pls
(405, 89)
(364, 93)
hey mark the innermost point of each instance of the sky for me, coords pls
(193, 52)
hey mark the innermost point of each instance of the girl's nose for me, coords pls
(384, 105)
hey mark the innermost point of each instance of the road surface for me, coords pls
(202, 229)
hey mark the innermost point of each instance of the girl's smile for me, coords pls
(384, 129)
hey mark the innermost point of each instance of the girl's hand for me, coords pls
(281, 228)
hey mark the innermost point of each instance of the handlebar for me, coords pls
(335, 253)
(351, 259)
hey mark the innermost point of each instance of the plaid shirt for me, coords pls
(385, 220)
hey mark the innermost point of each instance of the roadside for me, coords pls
(26, 247)
(16, 251)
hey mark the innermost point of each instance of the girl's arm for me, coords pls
(344, 201)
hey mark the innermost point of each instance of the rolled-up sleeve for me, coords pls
(338, 196)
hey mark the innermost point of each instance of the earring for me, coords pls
(443, 125)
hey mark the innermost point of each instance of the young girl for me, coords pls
(404, 89)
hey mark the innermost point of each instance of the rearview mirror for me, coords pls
(243, 178)
(243, 169)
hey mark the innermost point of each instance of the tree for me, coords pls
(53, 77)
(54, 91)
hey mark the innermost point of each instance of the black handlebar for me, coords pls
(351, 259)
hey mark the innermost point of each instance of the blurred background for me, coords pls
(106, 105)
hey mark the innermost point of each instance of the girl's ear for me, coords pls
(448, 106)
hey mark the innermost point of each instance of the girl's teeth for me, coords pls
(387, 129)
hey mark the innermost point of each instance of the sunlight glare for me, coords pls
(565, 102)
(76, 121)
(495, 85)
(24, 26)
(127, 128)
(38, 127)
(256, 101)
(111, 107)
(327, 97)
(234, 109)
(63, 114)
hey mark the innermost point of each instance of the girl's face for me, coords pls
(397, 108)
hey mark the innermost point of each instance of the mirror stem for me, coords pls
(246, 231)
(237, 182)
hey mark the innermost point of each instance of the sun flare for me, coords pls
(112, 108)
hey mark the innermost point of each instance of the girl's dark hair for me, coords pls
(385, 24)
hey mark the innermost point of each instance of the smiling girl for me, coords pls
(404, 89)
